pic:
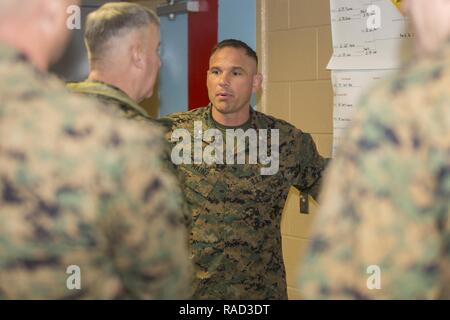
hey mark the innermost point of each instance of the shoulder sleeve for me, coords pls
(383, 219)
(310, 165)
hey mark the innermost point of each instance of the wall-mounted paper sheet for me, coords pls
(369, 34)
(348, 88)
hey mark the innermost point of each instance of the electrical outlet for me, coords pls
(304, 203)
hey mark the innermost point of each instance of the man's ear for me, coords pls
(257, 82)
(137, 56)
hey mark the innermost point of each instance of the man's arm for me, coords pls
(311, 165)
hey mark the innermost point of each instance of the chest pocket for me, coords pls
(249, 185)
(199, 184)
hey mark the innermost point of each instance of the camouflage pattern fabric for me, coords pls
(236, 211)
(124, 106)
(110, 94)
(386, 199)
(80, 186)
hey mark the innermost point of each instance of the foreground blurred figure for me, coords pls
(85, 210)
(383, 230)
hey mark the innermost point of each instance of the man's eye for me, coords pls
(215, 72)
(237, 73)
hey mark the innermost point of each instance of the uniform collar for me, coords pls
(107, 90)
(13, 55)
(214, 124)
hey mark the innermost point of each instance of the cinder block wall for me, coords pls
(294, 44)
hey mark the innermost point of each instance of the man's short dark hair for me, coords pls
(113, 19)
(238, 44)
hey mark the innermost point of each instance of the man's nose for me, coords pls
(224, 79)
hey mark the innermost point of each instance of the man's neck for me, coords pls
(236, 119)
(113, 80)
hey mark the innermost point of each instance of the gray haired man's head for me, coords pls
(114, 20)
(123, 42)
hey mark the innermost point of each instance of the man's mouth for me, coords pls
(224, 95)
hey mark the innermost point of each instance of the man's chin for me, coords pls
(223, 107)
(223, 110)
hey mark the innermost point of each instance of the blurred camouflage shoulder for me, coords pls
(385, 202)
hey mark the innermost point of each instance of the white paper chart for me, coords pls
(368, 34)
(348, 88)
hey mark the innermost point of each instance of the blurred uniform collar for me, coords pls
(9, 53)
(12, 55)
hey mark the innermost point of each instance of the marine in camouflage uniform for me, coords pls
(386, 199)
(236, 211)
(80, 186)
(110, 29)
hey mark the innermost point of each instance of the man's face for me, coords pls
(430, 19)
(153, 60)
(232, 78)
